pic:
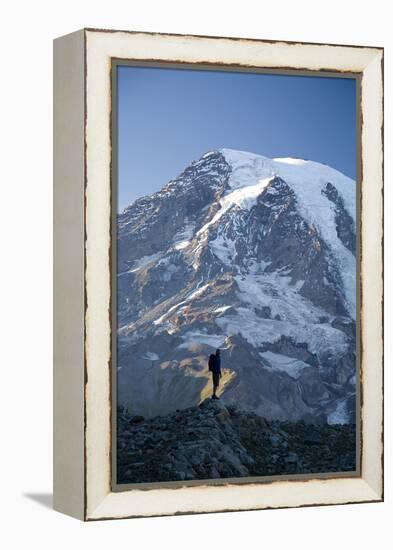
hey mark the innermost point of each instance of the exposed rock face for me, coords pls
(345, 225)
(253, 255)
(215, 441)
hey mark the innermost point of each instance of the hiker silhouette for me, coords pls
(215, 369)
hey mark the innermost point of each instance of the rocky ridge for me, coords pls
(214, 441)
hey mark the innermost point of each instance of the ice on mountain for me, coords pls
(290, 160)
(198, 291)
(244, 197)
(223, 248)
(221, 309)
(183, 237)
(181, 244)
(261, 288)
(321, 339)
(340, 414)
(170, 270)
(307, 179)
(200, 337)
(150, 356)
(143, 262)
(290, 365)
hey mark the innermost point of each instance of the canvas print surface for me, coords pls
(236, 275)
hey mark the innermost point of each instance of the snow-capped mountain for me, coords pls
(256, 256)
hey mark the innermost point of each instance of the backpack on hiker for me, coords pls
(212, 359)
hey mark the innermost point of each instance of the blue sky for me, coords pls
(169, 117)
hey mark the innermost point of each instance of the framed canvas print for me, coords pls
(218, 274)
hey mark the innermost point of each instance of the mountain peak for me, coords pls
(255, 253)
(237, 157)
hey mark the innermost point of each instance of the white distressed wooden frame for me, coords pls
(82, 109)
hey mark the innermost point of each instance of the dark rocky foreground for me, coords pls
(214, 441)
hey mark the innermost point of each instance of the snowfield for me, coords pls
(289, 365)
(307, 179)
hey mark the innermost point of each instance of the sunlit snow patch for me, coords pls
(244, 197)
